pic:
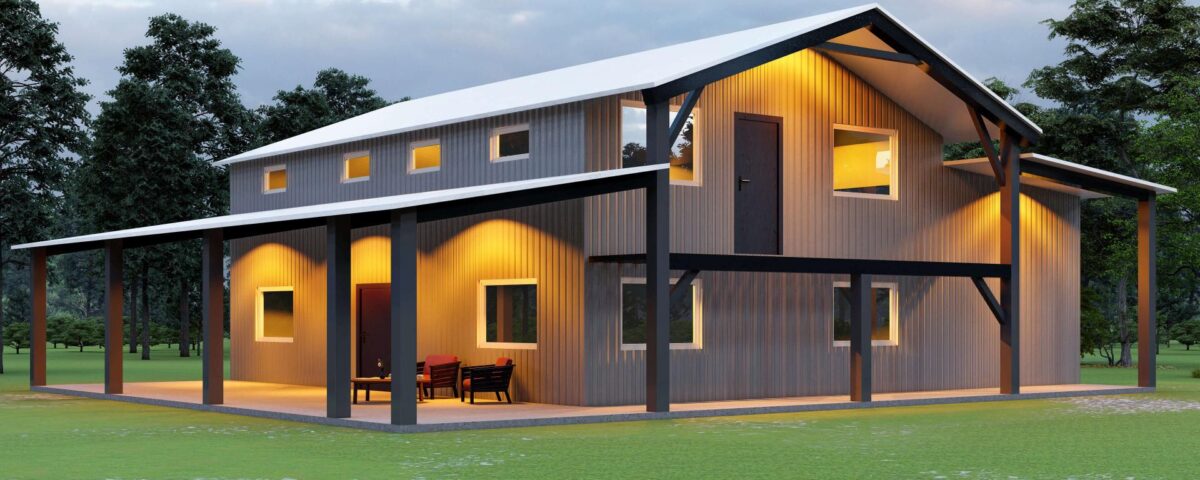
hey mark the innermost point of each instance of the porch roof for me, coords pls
(243, 224)
(1069, 177)
(939, 100)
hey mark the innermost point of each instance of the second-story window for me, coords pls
(510, 143)
(425, 156)
(685, 165)
(864, 162)
(275, 179)
(356, 167)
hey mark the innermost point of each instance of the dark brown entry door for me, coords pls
(374, 328)
(756, 198)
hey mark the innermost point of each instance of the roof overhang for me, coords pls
(430, 206)
(1068, 177)
(937, 91)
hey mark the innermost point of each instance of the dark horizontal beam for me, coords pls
(848, 266)
(868, 53)
(1085, 182)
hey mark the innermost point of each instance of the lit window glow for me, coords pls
(864, 162)
(426, 156)
(275, 179)
(357, 167)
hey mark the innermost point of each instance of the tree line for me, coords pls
(145, 159)
(1125, 98)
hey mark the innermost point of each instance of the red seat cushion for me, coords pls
(432, 360)
(503, 362)
(467, 384)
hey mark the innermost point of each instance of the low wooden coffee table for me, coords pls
(366, 382)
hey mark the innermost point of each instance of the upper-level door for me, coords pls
(756, 153)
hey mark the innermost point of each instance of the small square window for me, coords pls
(274, 315)
(864, 162)
(884, 327)
(275, 179)
(685, 326)
(426, 156)
(683, 157)
(508, 314)
(356, 167)
(510, 143)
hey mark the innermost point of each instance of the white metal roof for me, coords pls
(981, 166)
(641, 70)
(351, 207)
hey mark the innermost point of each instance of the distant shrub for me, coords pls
(1196, 373)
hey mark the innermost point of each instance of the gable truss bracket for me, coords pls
(986, 292)
(857, 51)
(689, 102)
(681, 286)
(985, 140)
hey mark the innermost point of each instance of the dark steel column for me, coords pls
(1010, 254)
(212, 304)
(37, 331)
(114, 306)
(404, 317)
(658, 275)
(861, 301)
(337, 318)
(1147, 293)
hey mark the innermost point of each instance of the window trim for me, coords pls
(893, 313)
(697, 159)
(346, 166)
(894, 174)
(494, 143)
(266, 185)
(481, 314)
(258, 315)
(697, 342)
(412, 156)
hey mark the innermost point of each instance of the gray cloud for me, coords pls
(422, 47)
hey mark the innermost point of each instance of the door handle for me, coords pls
(742, 181)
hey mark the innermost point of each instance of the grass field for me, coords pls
(1138, 436)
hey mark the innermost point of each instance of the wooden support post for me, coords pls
(337, 318)
(212, 305)
(1010, 254)
(1147, 293)
(114, 308)
(37, 331)
(862, 304)
(404, 316)
(658, 274)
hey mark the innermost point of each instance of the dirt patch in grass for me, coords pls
(1128, 405)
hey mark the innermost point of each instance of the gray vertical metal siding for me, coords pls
(770, 335)
(314, 176)
(543, 242)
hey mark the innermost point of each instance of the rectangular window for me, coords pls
(508, 314)
(275, 179)
(426, 156)
(510, 143)
(864, 162)
(883, 314)
(273, 315)
(683, 158)
(685, 327)
(356, 167)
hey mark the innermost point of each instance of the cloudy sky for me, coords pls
(422, 47)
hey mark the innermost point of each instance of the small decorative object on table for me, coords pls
(382, 372)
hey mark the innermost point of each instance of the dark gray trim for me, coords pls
(986, 292)
(404, 315)
(985, 140)
(212, 300)
(861, 302)
(848, 266)
(1010, 255)
(337, 317)
(1147, 292)
(658, 251)
(830, 47)
(681, 117)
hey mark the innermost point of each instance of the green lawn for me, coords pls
(49, 436)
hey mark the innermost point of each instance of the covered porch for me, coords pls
(307, 404)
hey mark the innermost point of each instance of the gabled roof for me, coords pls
(479, 193)
(917, 92)
(1060, 175)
